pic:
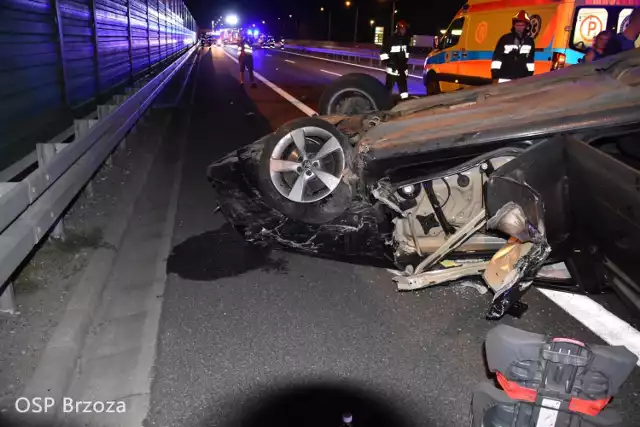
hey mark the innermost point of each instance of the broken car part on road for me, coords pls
(413, 187)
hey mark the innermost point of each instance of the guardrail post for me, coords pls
(8, 300)
(120, 98)
(81, 128)
(105, 110)
(46, 153)
(7, 296)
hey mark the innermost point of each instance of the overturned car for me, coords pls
(494, 182)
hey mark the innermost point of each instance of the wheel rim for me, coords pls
(351, 101)
(306, 164)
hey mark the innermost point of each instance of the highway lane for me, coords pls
(305, 77)
(242, 327)
(415, 71)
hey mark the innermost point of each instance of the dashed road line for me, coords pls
(293, 100)
(331, 72)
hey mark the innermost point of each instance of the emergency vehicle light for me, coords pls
(558, 60)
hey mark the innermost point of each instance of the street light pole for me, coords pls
(355, 30)
(393, 16)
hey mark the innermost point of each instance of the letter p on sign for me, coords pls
(590, 27)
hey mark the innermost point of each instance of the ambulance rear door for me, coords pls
(452, 48)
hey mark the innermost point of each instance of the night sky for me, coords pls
(308, 22)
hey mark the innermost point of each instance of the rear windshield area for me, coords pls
(589, 21)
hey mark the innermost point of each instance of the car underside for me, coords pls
(422, 188)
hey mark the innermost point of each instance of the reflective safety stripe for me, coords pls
(399, 48)
(496, 65)
(384, 56)
(531, 67)
(503, 80)
(407, 54)
(509, 47)
(404, 95)
(392, 71)
(525, 49)
(406, 72)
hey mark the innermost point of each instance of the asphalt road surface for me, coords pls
(248, 336)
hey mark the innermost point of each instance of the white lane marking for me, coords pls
(344, 63)
(296, 103)
(290, 62)
(331, 72)
(606, 325)
(268, 54)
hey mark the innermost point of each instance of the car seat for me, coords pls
(549, 382)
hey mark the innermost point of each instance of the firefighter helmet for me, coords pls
(521, 16)
(401, 24)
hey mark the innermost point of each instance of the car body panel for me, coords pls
(433, 123)
(589, 202)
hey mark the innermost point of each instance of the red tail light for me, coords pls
(558, 60)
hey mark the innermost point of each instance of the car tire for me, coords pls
(317, 200)
(357, 90)
(433, 85)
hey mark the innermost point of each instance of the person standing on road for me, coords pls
(514, 55)
(627, 38)
(245, 60)
(395, 57)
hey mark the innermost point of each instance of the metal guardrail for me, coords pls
(61, 58)
(355, 55)
(31, 207)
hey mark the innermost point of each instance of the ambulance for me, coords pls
(562, 31)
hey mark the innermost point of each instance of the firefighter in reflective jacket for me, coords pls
(515, 52)
(395, 56)
(245, 60)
